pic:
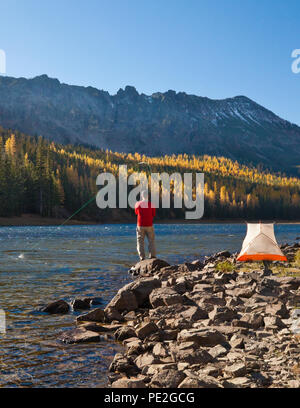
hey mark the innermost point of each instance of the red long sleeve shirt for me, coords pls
(145, 211)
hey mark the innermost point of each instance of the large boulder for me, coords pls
(125, 299)
(142, 289)
(57, 307)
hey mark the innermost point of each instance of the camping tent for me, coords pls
(260, 244)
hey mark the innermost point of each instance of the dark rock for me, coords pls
(99, 328)
(253, 320)
(237, 342)
(241, 292)
(193, 313)
(212, 300)
(164, 297)
(222, 314)
(202, 336)
(291, 282)
(81, 304)
(124, 332)
(149, 266)
(96, 315)
(112, 314)
(112, 377)
(146, 329)
(160, 350)
(192, 356)
(123, 364)
(145, 360)
(198, 263)
(142, 289)
(183, 285)
(130, 316)
(218, 351)
(223, 254)
(134, 350)
(125, 299)
(167, 379)
(278, 309)
(274, 322)
(167, 335)
(57, 307)
(187, 267)
(236, 370)
(79, 335)
(95, 301)
(202, 381)
(128, 383)
(261, 379)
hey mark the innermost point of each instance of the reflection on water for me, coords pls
(41, 264)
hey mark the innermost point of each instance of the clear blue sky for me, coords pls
(213, 48)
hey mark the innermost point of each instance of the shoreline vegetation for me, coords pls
(38, 220)
(211, 323)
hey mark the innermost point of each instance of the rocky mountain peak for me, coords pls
(174, 122)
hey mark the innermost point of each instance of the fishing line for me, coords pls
(22, 255)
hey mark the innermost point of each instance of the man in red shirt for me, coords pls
(145, 212)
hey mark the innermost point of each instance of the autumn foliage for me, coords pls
(37, 176)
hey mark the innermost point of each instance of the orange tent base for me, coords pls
(261, 257)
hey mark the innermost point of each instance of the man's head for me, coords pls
(144, 195)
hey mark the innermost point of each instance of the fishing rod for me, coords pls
(21, 256)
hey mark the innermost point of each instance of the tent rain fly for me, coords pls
(260, 244)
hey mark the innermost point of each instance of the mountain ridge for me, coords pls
(164, 122)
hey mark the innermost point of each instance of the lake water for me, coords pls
(81, 261)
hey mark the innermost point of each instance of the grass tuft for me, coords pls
(225, 266)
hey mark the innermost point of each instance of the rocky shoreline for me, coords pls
(195, 326)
